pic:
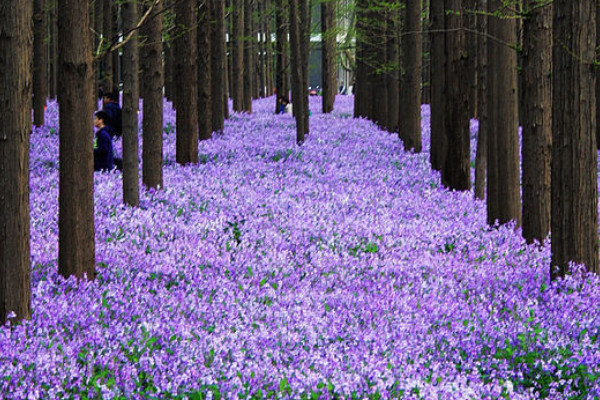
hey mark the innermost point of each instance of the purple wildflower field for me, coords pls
(338, 269)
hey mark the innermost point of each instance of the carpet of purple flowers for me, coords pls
(338, 269)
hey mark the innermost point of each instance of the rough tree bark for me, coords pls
(393, 76)
(204, 73)
(107, 35)
(329, 58)
(131, 186)
(503, 140)
(456, 170)
(296, 62)
(282, 84)
(409, 129)
(186, 83)
(574, 157)
(40, 60)
(76, 247)
(217, 53)
(248, 57)
(15, 128)
(238, 55)
(481, 151)
(438, 84)
(152, 124)
(536, 120)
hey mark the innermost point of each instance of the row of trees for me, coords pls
(477, 47)
(200, 53)
(132, 46)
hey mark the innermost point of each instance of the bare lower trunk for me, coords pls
(574, 157)
(186, 83)
(131, 187)
(40, 60)
(15, 128)
(152, 127)
(410, 97)
(537, 122)
(76, 247)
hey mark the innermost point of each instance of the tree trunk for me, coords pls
(186, 83)
(248, 57)
(537, 121)
(131, 187)
(40, 61)
(470, 22)
(574, 157)
(410, 97)
(269, 55)
(481, 155)
(282, 87)
(15, 128)
(107, 59)
(298, 91)
(116, 28)
(204, 73)
(456, 171)
(361, 87)
(76, 247)
(329, 60)
(98, 29)
(393, 76)
(426, 38)
(438, 84)
(503, 141)
(53, 51)
(304, 30)
(152, 125)
(238, 55)
(218, 72)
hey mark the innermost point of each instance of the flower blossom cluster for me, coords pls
(337, 269)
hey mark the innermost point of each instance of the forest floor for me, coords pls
(338, 269)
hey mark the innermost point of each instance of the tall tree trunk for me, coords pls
(298, 89)
(329, 60)
(262, 18)
(53, 50)
(503, 141)
(116, 29)
(457, 162)
(282, 87)
(107, 59)
(238, 55)
(393, 76)
(410, 97)
(186, 83)
(204, 73)
(438, 85)
(98, 29)
(426, 38)
(269, 54)
(15, 128)
(361, 87)
(379, 62)
(131, 187)
(248, 57)
(40, 61)
(255, 52)
(152, 125)
(305, 25)
(537, 121)
(168, 77)
(218, 59)
(481, 155)
(76, 247)
(574, 157)
(470, 22)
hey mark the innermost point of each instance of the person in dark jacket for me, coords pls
(112, 108)
(103, 148)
